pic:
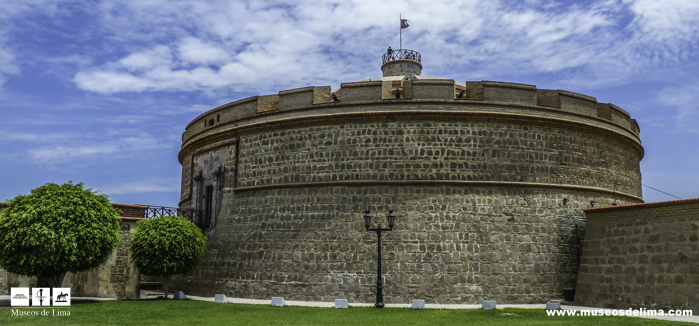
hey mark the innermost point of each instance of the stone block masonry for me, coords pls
(488, 189)
(118, 278)
(641, 256)
(450, 245)
(436, 151)
(487, 210)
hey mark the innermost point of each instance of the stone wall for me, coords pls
(641, 256)
(117, 278)
(443, 151)
(4, 288)
(408, 68)
(489, 209)
(450, 244)
(489, 189)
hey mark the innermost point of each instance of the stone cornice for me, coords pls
(459, 183)
(293, 120)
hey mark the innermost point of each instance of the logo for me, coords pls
(19, 297)
(61, 296)
(41, 297)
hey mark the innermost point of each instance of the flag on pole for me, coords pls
(404, 23)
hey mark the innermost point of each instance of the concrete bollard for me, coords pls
(278, 301)
(488, 304)
(418, 304)
(553, 305)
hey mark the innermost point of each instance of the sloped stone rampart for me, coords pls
(450, 244)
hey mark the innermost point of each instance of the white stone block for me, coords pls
(341, 303)
(179, 295)
(553, 305)
(220, 298)
(488, 304)
(418, 304)
(278, 301)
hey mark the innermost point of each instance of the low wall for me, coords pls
(117, 278)
(641, 256)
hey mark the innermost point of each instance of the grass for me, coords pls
(171, 312)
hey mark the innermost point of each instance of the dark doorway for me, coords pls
(208, 204)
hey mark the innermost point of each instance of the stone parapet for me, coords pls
(301, 97)
(509, 92)
(433, 89)
(270, 107)
(361, 91)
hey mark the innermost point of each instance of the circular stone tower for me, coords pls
(402, 62)
(487, 180)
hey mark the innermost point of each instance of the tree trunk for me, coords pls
(167, 284)
(56, 280)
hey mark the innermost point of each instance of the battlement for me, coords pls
(470, 94)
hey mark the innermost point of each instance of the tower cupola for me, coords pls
(401, 62)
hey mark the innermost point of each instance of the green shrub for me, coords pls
(57, 229)
(167, 246)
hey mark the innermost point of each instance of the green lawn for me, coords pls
(170, 312)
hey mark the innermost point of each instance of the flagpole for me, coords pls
(400, 27)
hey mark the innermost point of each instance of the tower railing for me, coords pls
(402, 54)
(201, 218)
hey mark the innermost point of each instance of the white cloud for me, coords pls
(684, 100)
(147, 185)
(667, 19)
(113, 145)
(222, 46)
(270, 45)
(11, 11)
(197, 51)
(158, 57)
(8, 64)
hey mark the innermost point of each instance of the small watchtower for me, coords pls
(401, 62)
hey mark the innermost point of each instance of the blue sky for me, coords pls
(100, 92)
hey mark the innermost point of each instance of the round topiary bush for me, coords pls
(167, 246)
(57, 229)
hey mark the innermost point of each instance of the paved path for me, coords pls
(690, 319)
(5, 301)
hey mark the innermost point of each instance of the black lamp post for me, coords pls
(367, 222)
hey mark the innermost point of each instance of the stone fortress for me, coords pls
(487, 179)
(503, 192)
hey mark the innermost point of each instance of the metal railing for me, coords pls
(201, 218)
(401, 55)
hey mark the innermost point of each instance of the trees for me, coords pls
(57, 229)
(167, 246)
